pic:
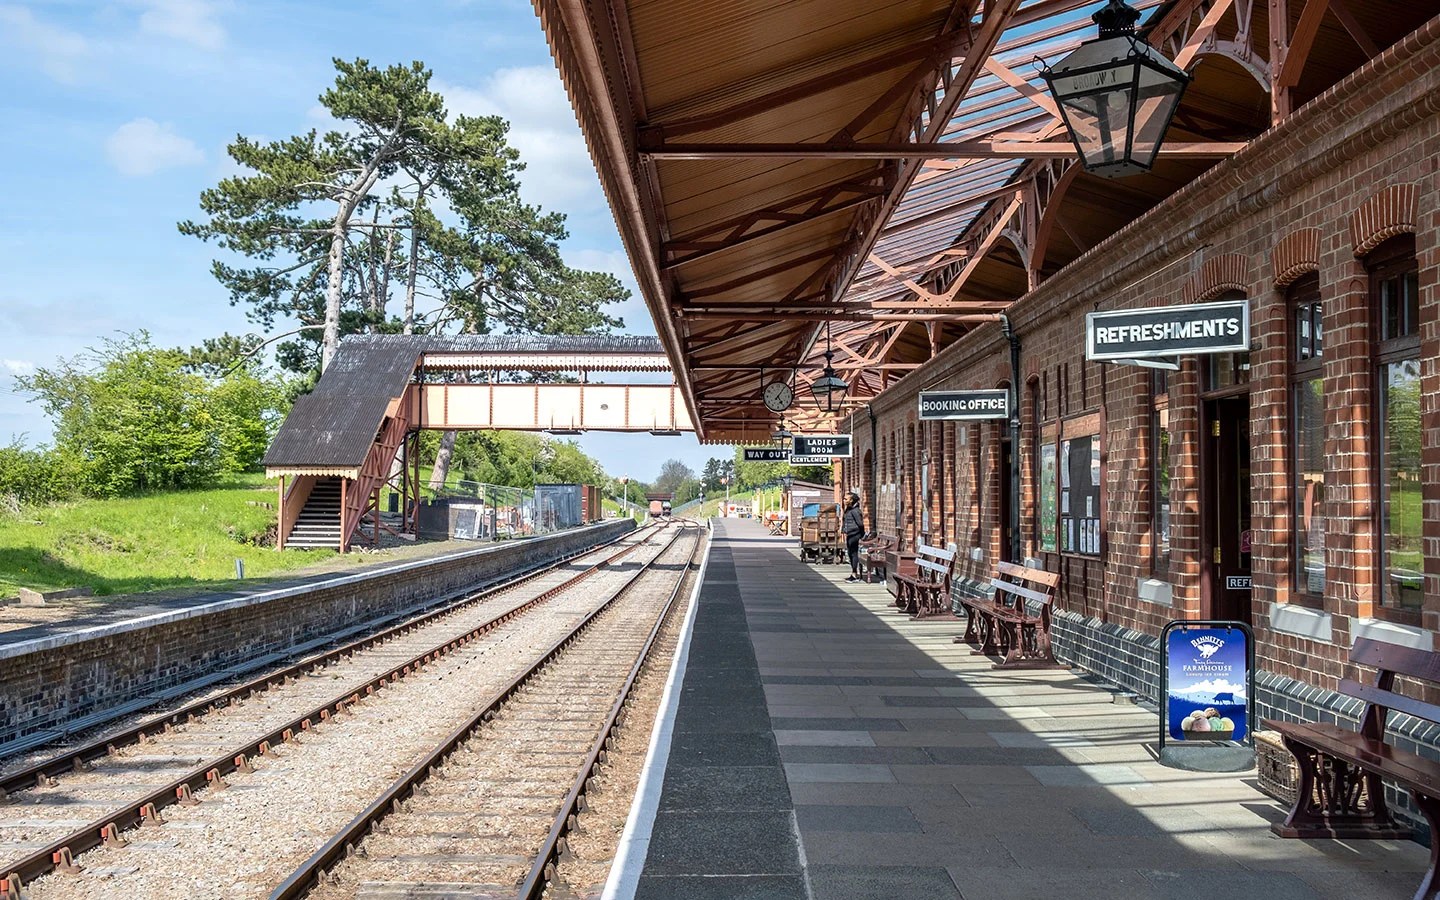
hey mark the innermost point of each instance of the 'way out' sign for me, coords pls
(820, 445)
(767, 454)
(965, 405)
(1195, 328)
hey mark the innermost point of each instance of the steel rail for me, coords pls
(68, 760)
(543, 871)
(146, 810)
(307, 876)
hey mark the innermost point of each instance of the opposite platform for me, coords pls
(826, 746)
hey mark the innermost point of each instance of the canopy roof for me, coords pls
(894, 169)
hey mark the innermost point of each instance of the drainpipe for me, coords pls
(1014, 340)
(874, 461)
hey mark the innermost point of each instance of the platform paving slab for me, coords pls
(828, 747)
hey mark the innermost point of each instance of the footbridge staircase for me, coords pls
(356, 435)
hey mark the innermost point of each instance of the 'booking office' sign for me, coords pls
(964, 405)
(1195, 328)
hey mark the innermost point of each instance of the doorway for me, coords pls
(1225, 574)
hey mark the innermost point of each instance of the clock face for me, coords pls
(778, 396)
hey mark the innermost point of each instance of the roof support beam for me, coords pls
(929, 150)
(799, 210)
(934, 50)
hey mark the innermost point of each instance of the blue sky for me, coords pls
(117, 115)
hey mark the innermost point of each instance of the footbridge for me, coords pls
(356, 432)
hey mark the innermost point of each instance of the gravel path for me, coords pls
(241, 841)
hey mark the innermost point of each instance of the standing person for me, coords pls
(853, 526)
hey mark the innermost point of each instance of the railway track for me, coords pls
(88, 796)
(487, 812)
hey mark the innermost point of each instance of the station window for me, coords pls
(1227, 370)
(1395, 297)
(1307, 417)
(1160, 475)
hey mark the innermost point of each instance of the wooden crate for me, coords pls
(1276, 767)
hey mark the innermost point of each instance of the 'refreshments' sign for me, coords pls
(1195, 328)
(820, 445)
(965, 405)
(1207, 681)
(766, 454)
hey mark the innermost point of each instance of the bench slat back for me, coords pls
(1390, 700)
(1423, 664)
(1020, 591)
(939, 553)
(939, 570)
(1036, 576)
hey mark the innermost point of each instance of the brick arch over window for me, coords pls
(1296, 254)
(1218, 274)
(1393, 210)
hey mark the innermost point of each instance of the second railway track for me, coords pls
(43, 827)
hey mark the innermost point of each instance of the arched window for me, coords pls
(1307, 430)
(1398, 436)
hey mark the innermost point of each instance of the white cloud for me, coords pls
(17, 366)
(191, 21)
(58, 52)
(558, 173)
(144, 147)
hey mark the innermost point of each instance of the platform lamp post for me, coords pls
(1116, 94)
(829, 389)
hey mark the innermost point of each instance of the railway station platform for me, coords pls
(825, 746)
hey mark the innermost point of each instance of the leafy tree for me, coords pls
(131, 416)
(277, 213)
(673, 473)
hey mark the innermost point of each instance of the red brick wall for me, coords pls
(1372, 145)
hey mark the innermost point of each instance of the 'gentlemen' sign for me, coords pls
(820, 445)
(1168, 331)
(809, 460)
(766, 454)
(965, 404)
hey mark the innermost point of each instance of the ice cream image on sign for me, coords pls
(1207, 685)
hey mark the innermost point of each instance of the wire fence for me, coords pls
(483, 512)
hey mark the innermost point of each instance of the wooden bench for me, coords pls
(926, 592)
(1339, 794)
(872, 555)
(898, 561)
(1004, 626)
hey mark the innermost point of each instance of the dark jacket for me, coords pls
(854, 523)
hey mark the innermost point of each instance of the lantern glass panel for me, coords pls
(1117, 96)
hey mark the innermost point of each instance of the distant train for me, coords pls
(659, 508)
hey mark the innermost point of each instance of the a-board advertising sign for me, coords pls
(810, 460)
(964, 405)
(820, 445)
(1207, 680)
(765, 454)
(1193, 328)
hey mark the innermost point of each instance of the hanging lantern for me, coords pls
(829, 389)
(1117, 95)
